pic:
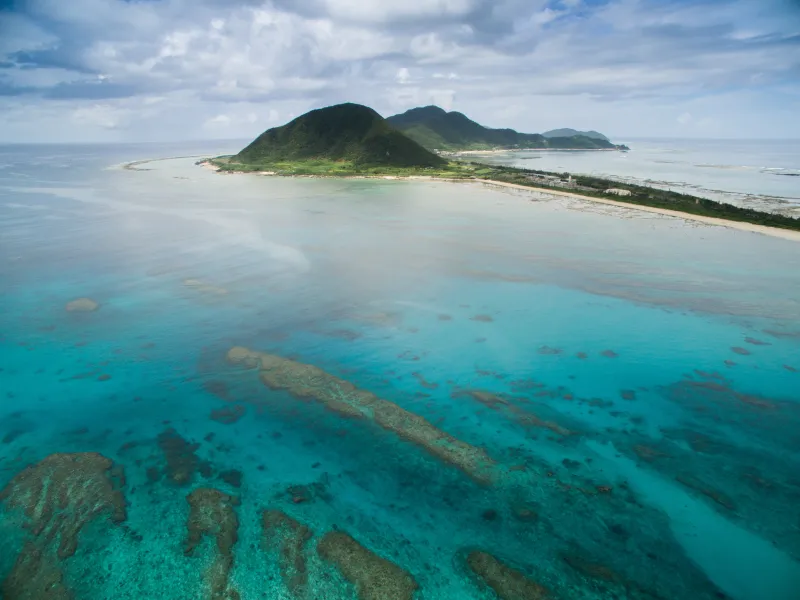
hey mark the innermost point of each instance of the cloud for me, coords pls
(173, 68)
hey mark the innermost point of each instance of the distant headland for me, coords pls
(351, 140)
(436, 129)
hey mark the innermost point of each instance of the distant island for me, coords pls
(436, 129)
(567, 132)
(351, 140)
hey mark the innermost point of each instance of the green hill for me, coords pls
(567, 132)
(348, 133)
(435, 128)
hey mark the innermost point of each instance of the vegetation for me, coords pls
(584, 185)
(346, 132)
(436, 129)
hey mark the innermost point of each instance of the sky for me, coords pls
(163, 70)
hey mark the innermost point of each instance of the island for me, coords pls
(351, 140)
(568, 132)
(436, 129)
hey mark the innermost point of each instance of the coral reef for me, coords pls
(82, 305)
(699, 486)
(289, 537)
(213, 513)
(374, 577)
(228, 415)
(58, 496)
(182, 461)
(34, 577)
(524, 417)
(309, 382)
(507, 583)
(62, 493)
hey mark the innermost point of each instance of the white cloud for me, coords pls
(171, 68)
(105, 116)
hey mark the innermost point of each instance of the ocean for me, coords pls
(760, 174)
(236, 386)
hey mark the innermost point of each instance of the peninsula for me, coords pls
(350, 140)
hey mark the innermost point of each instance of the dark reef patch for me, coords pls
(218, 389)
(232, 477)
(228, 415)
(547, 350)
(180, 455)
(428, 385)
(699, 486)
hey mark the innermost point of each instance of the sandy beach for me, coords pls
(786, 234)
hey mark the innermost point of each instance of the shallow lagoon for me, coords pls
(628, 382)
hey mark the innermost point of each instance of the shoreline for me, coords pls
(785, 234)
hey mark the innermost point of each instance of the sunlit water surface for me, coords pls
(609, 400)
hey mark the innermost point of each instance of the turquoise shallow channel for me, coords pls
(336, 389)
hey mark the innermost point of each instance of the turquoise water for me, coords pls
(633, 379)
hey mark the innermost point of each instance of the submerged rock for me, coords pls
(506, 582)
(212, 513)
(374, 577)
(82, 305)
(289, 537)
